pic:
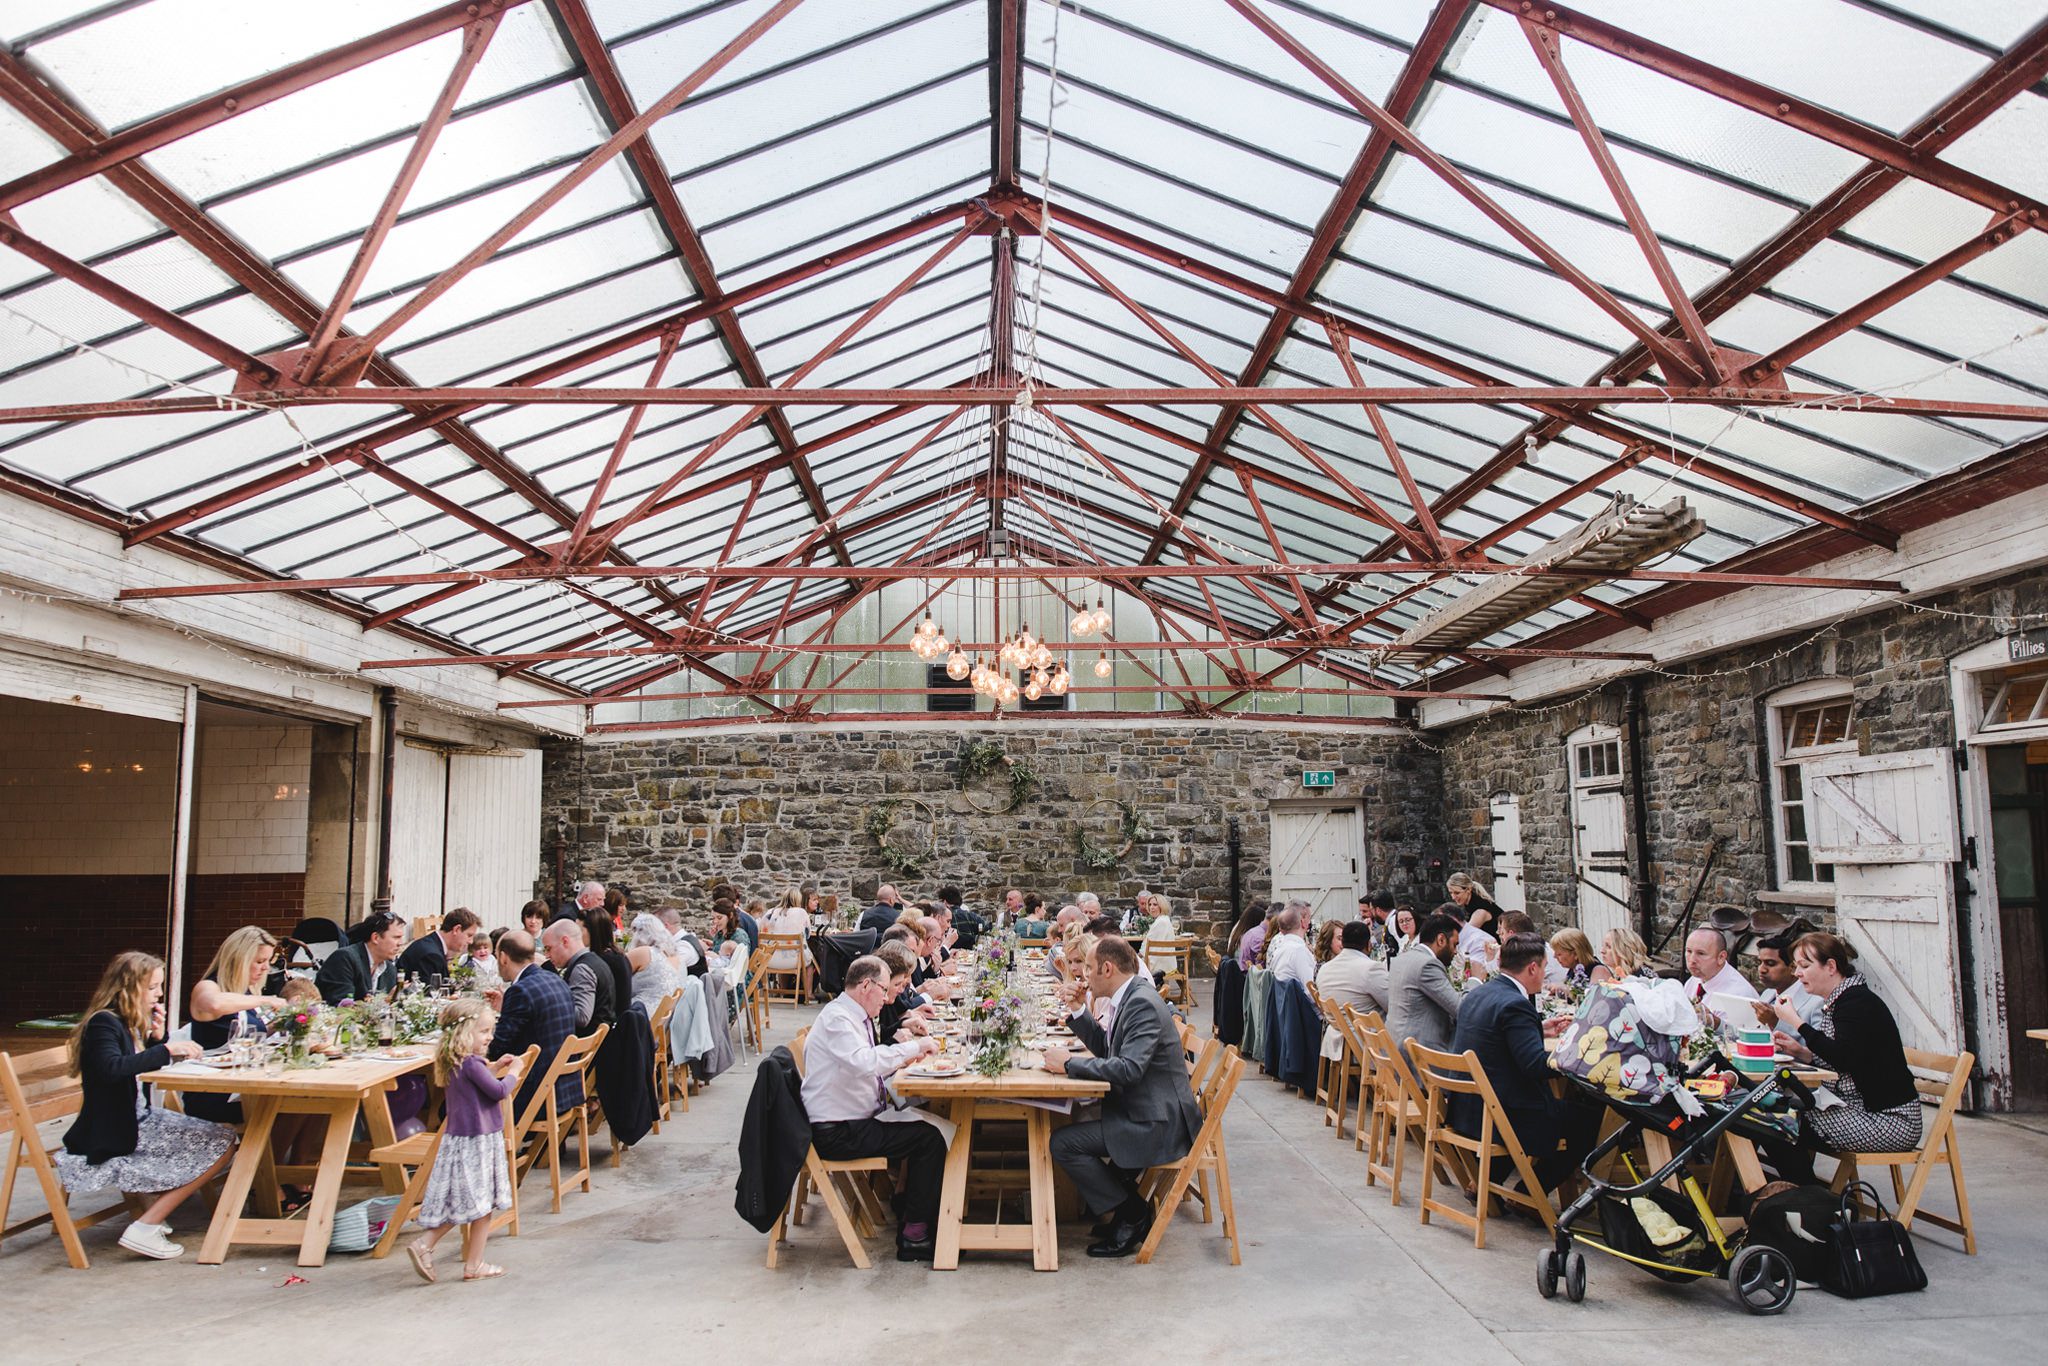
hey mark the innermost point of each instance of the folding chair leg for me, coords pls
(1229, 1205)
(1202, 1194)
(841, 1220)
(408, 1205)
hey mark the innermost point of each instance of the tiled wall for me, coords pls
(251, 816)
(85, 792)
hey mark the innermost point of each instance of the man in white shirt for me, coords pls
(1481, 950)
(1353, 978)
(845, 1069)
(1706, 958)
(1287, 953)
(1774, 974)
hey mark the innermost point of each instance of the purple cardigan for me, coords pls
(473, 1096)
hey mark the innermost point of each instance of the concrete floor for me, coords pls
(655, 1264)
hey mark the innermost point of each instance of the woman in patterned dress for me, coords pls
(121, 1141)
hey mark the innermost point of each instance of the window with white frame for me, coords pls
(1807, 722)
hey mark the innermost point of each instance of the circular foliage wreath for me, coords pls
(1129, 830)
(985, 759)
(903, 863)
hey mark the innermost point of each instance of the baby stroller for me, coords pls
(1677, 1238)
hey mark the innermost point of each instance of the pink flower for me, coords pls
(300, 1018)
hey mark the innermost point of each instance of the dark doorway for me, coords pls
(2019, 831)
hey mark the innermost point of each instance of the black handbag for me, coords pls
(1872, 1256)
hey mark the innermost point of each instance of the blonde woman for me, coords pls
(1574, 954)
(1623, 954)
(470, 1181)
(1161, 928)
(231, 992)
(788, 918)
(120, 1140)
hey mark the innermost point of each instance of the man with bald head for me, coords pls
(533, 1008)
(1706, 959)
(880, 916)
(589, 978)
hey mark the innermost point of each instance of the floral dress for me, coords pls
(170, 1150)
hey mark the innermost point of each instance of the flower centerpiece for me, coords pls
(1461, 973)
(995, 1014)
(414, 1014)
(296, 1025)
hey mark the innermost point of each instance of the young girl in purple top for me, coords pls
(469, 1182)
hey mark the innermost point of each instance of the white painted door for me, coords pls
(1319, 856)
(419, 811)
(1509, 893)
(1599, 830)
(1888, 824)
(493, 848)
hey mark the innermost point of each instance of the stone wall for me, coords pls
(1705, 750)
(667, 817)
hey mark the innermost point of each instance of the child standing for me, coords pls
(469, 1182)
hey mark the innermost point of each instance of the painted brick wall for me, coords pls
(251, 816)
(64, 929)
(84, 792)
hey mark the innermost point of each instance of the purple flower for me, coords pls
(347, 1001)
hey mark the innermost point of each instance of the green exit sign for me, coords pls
(1319, 777)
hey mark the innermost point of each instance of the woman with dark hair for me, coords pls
(615, 907)
(1855, 1035)
(604, 942)
(1329, 940)
(1254, 914)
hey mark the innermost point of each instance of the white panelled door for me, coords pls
(1505, 812)
(493, 833)
(1599, 830)
(466, 833)
(1888, 824)
(1319, 856)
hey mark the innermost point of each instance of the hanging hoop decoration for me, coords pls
(899, 858)
(1129, 831)
(983, 762)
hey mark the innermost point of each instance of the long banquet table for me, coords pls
(339, 1091)
(972, 1098)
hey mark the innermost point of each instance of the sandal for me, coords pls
(292, 1199)
(482, 1271)
(422, 1260)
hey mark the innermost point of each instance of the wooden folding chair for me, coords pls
(1398, 1113)
(1944, 1090)
(1444, 1075)
(855, 1210)
(545, 1127)
(753, 1005)
(1167, 1186)
(419, 1151)
(1178, 981)
(1353, 1023)
(1334, 1076)
(664, 1066)
(1039, 943)
(37, 1088)
(797, 979)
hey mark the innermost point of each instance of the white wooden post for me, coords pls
(181, 857)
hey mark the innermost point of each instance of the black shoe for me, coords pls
(1125, 1239)
(1103, 1229)
(907, 1251)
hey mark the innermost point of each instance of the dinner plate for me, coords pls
(925, 1069)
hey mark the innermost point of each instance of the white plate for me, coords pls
(926, 1070)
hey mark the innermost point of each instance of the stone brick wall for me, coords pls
(1705, 750)
(668, 817)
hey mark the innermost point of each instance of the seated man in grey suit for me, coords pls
(1149, 1116)
(1421, 1002)
(355, 971)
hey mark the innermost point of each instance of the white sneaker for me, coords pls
(151, 1240)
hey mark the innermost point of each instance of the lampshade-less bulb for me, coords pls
(1033, 690)
(1083, 623)
(1102, 666)
(1007, 692)
(1059, 683)
(957, 666)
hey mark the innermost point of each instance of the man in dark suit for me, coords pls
(590, 980)
(428, 956)
(533, 1008)
(1149, 1116)
(883, 913)
(355, 971)
(1499, 1024)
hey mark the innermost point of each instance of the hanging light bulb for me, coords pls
(1041, 657)
(1083, 623)
(1007, 692)
(927, 628)
(957, 667)
(1040, 678)
(1099, 619)
(939, 643)
(1102, 666)
(1060, 681)
(1034, 690)
(1025, 640)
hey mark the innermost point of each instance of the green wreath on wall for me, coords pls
(985, 759)
(1129, 831)
(881, 821)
